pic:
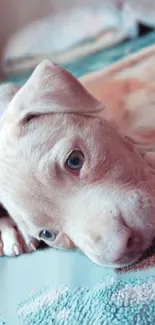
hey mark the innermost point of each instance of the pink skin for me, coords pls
(106, 209)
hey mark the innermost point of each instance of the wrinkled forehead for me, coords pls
(50, 128)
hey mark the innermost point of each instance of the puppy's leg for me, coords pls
(12, 242)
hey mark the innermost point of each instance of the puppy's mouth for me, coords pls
(149, 251)
(124, 264)
(136, 264)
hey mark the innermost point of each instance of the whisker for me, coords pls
(138, 186)
(149, 225)
(145, 199)
(149, 206)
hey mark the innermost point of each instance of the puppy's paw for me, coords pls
(12, 242)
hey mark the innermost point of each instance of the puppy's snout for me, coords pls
(127, 245)
(118, 245)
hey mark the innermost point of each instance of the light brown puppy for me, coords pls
(68, 177)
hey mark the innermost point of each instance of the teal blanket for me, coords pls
(54, 287)
(101, 59)
(111, 302)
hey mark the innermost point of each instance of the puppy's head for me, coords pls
(68, 177)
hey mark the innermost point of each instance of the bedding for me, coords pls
(56, 287)
(90, 63)
(69, 35)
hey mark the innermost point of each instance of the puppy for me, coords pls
(68, 177)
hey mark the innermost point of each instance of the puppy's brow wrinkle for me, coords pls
(29, 117)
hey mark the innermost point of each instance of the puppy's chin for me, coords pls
(142, 256)
(116, 265)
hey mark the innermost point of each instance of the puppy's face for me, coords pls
(73, 181)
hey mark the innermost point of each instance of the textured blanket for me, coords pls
(111, 302)
(70, 289)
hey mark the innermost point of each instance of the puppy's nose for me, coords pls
(124, 246)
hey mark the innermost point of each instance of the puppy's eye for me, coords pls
(75, 160)
(47, 235)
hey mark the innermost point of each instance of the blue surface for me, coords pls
(19, 276)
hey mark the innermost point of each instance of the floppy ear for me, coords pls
(51, 89)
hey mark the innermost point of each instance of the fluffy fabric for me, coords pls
(111, 302)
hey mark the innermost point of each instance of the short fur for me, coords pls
(106, 210)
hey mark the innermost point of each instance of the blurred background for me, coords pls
(81, 35)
